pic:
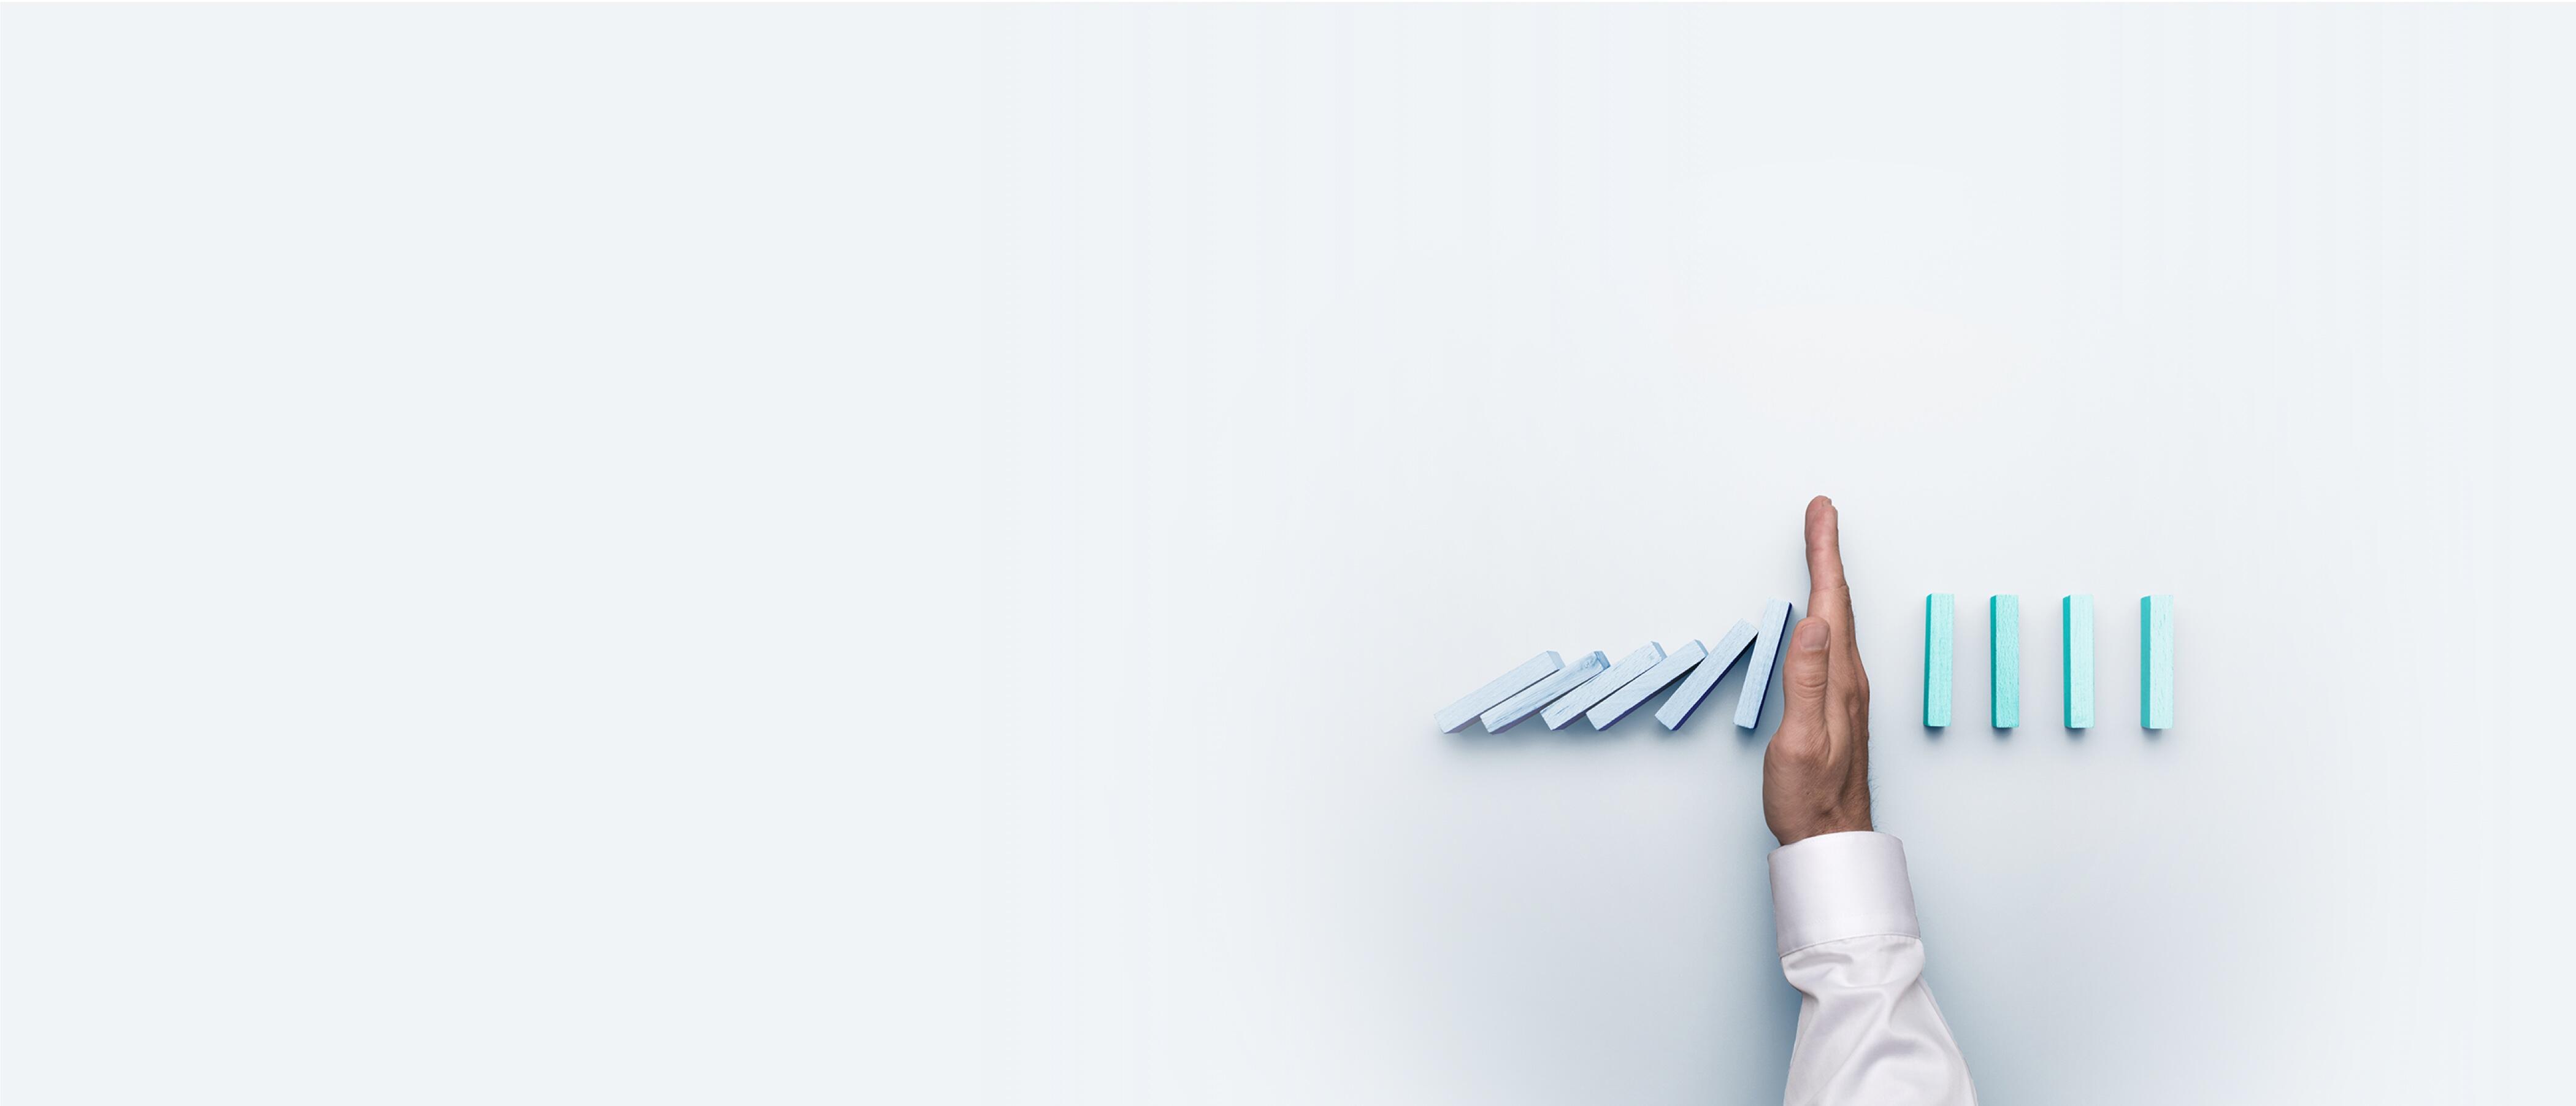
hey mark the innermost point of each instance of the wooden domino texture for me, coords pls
(1599, 687)
(2155, 661)
(2075, 635)
(1766, 655)
(1686, 698)
(2003, 660)
(1545, 691)
(1456, 716)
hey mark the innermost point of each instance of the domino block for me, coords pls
(1546, 691)
(2003, 659)
(2155, 661)
(1940, 610)
(1685, 699)
(1599, 687)
(1456, 715)
(1766, 655)
(2075, 634)
(1610, 710)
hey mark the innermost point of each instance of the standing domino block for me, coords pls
(2155, 661)
(1766, 653)
(1545, 691)
(1730, 648)
(1486, 698)
(2003, 659)
(2075, 630)
(1620, 702)
(1599, 687)
(1940, 610)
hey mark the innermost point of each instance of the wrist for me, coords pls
(1832, 822)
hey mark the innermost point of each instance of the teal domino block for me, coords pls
(1939, 612)
(2003, 659)
(2155, 661)
(2075, 636)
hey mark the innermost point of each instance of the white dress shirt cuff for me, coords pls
(1840, 885)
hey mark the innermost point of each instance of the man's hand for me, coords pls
(1815, 775)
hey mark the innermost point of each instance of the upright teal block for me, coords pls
(1938, 612)
(2075, 627)
(2155, 661)
(2003, 659)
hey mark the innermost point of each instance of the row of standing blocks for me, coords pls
(1593, 688)
(2075, 659)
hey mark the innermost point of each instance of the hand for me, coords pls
(1815, 775)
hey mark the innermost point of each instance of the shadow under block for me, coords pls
(1456, 716)
(1940, 616)
(1730, 648)
(2155, 661)
(2075, 638)
(1545, 691)
(1608, 712)
(1599, 687)
(2003, 660)
(1766, 656)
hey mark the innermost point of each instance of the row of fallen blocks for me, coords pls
(1594, 689)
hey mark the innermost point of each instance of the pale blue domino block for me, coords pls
(1730, 649)
(1545, 691)
(1486, 698)
(1940, 616)
(1599, 687)
(1766, 655)
(1609, 711)
(2003, 659)
(2155, 661)
(2075, 635)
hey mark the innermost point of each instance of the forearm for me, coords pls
(1868, 1030)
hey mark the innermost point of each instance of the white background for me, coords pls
(789, 554)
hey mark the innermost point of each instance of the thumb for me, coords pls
(1802, 679)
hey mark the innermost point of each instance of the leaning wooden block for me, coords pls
(2155, 661)
(1685, 699)
(2075, 635)
(1766, 652)
(1635, 691)
(1456, 716)
(1545, 691)
(1940, 611)
(1599, 687)
(2003, 659)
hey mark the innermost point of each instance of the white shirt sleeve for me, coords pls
(1868, 1031)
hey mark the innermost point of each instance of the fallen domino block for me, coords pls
(1730, 648)
(2003, 659)
(1456, 716)
(1540, 694)
(2155, 661)
(1766, 651)
(1939, 613)
(1608, 712)
(1599, 687)
(2075, 636)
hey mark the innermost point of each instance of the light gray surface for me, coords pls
(474, 477)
